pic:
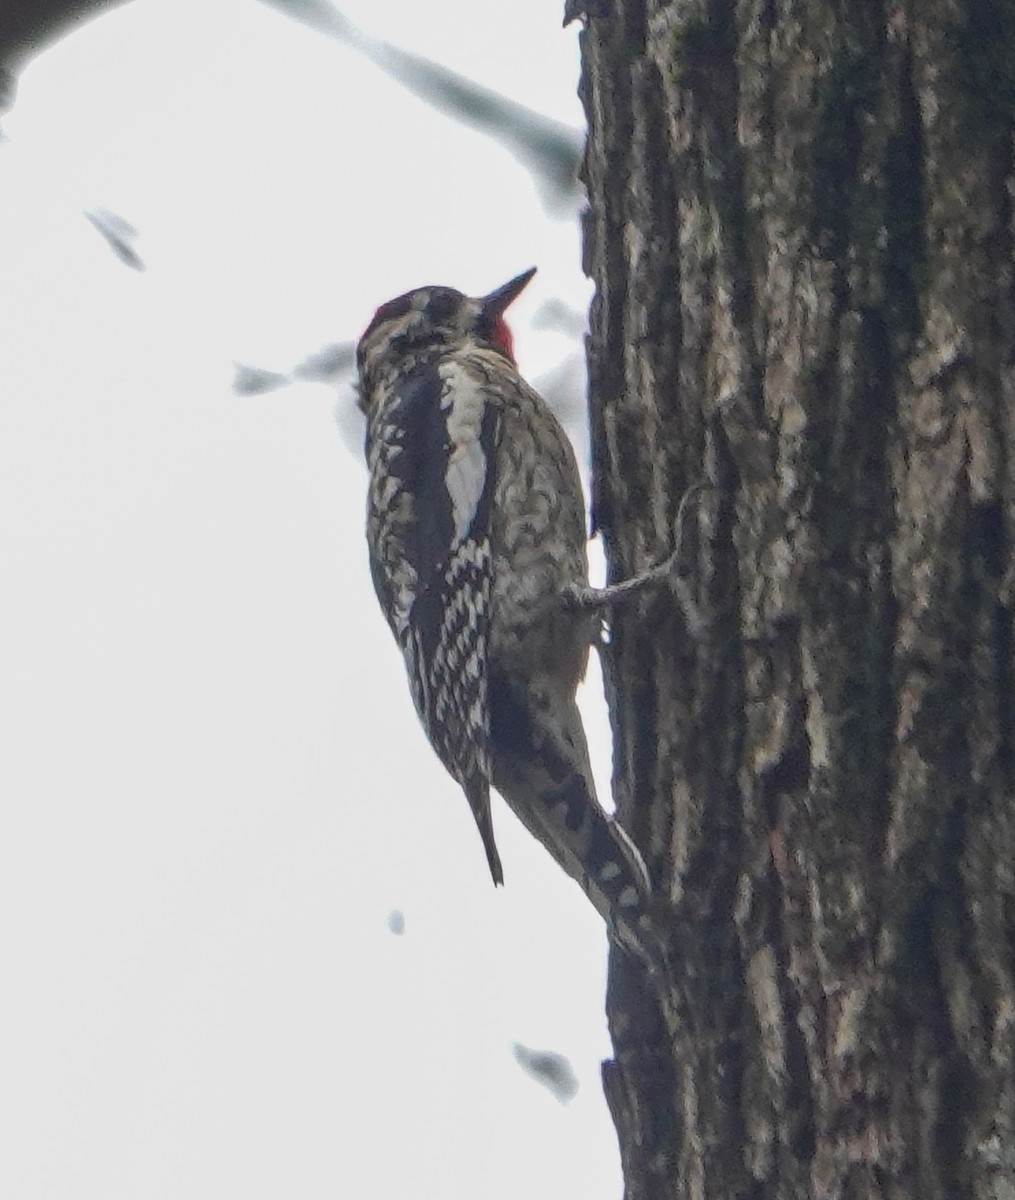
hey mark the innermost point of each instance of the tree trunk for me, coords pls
(801, 235)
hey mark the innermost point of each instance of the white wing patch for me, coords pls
(465, 402)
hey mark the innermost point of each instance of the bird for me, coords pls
(476, 533)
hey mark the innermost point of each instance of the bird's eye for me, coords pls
(442, 305)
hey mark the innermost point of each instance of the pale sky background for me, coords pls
(213, 786)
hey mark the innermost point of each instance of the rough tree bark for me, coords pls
(801, 235)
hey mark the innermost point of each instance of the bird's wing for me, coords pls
(440, 435)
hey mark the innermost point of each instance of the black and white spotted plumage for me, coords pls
(476, 529)
(430, 496)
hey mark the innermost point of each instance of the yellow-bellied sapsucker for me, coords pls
(477, 537)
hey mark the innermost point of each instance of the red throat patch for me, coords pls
(502, 338)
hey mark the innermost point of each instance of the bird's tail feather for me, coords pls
(478, 793)
(541, 768)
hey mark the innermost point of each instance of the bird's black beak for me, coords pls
(497, 301)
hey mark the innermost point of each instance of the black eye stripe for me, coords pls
(442, 304)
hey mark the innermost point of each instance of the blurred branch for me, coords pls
(255, 381)
(561, 318)
(119, 235)
(331, 364)
(550, 1069)
(28, 26)
(549, 150)
(327, 365)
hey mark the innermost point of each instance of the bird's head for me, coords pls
(430, 320)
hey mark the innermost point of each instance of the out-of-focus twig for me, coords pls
(331, 364)
(27, 27)
(548, 149)
(550, 1069)
(119, 235)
